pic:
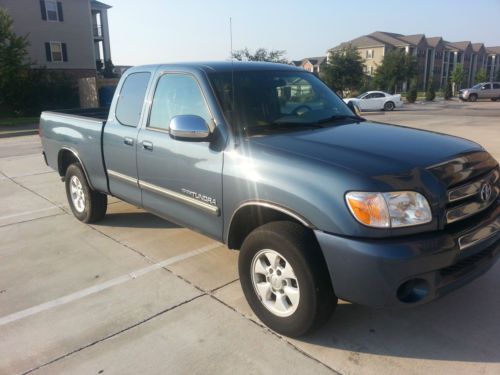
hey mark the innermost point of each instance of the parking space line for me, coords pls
(105, 285)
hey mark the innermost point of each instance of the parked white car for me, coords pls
(376, 100)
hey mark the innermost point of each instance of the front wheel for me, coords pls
(472, 97)
(389, 106)
(285, 279)
(86, 204)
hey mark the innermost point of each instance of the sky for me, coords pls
(154, 31)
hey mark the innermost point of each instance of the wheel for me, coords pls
(87, 205)
(494, 99)
(472, 97)
(389, 106)
(285, 279)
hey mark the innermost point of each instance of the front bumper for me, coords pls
(463, 95)
(383, 272)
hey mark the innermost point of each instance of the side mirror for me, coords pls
(354, 108)
(189, 128)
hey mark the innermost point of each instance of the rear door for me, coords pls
(120, 134)
(496, 90)
(180, 180)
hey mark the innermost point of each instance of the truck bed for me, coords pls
(94, 113)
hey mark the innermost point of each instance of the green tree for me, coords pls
(481, 75)
(14, 63)
(397, 67)
(344, 70)
(261, 54)
(411, 95)
(430, 93)
(458, 75)
(448, 91)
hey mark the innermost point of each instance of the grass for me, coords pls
(13, 121)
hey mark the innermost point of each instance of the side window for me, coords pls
(496, 86)
(369, 96)
(177, 94)
(131, 99)
(486, 87)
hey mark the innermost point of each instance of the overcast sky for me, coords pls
(153, 31)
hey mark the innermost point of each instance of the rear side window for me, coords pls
(131, 99)
(496, 86)
(177, 94)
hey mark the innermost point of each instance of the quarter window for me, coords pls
(496, 86)
(131, 99)
(177, 94)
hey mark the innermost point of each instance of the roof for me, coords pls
(433, 41)
(225, 66)
(361, 42)
(461, 46)
(390, 38)
(99, 5)
(413, 39)
(493, 50)
(315, 60)
(476, 47)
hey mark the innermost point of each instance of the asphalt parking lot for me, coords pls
(137, 294)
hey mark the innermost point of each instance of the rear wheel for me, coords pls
(472, 97)
(86, 204)
(284, 278)
(389, 106)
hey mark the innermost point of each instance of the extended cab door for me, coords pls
(180, 180)
(120, 134)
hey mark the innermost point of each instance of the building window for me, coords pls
(369, 54)
(56, 52)
(51, 10)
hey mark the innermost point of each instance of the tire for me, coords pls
(494, 99)
(308, 297)
(86, 204)
(389, 106)
(472, 97)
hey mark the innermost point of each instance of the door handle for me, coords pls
(146, 145)
(128, 141)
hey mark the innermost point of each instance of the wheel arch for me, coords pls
(65, 158)
(252, 214)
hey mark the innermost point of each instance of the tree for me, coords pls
(411, 95)
(397, 67)
(344, 70)
(430, 93)
(14, 64)
(448, 91)
(458, 76)
(481, 75)
(261, 54)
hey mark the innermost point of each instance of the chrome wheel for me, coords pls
(275, 283)
(77, 194)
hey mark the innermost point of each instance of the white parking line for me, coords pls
(105, 285)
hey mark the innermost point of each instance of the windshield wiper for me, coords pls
(341, 117)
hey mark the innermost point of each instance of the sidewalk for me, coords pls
(18, 130)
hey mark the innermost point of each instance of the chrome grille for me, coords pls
(474, 196)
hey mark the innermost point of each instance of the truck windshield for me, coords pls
(265, 100)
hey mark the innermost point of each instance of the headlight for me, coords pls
(385, 210)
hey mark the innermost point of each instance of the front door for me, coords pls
(120, 134)
(180, 180)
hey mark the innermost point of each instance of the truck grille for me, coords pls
(473, 197)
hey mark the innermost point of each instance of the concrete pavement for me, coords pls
(137, 294)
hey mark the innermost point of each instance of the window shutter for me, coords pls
(60, 11)
(43, 10)
(48, 54)
(64, 52)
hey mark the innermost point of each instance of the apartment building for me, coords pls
(436, 58)
(65, 35)
(311, 64)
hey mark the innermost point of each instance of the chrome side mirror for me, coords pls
(189, 128)
(354, 108)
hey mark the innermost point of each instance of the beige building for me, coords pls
(65, 35)
(436, 58)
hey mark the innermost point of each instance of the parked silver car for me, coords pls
(484, 90)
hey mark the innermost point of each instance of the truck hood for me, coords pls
(368, 148)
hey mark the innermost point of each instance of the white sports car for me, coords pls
(376, 100)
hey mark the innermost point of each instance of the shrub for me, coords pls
(411, 95)
(448, 91)
(430, 93)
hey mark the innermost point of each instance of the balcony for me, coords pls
(97, 31)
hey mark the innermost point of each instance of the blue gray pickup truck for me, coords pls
(321, 203)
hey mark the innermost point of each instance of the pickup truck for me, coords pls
(321, 203)
(485, 90)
